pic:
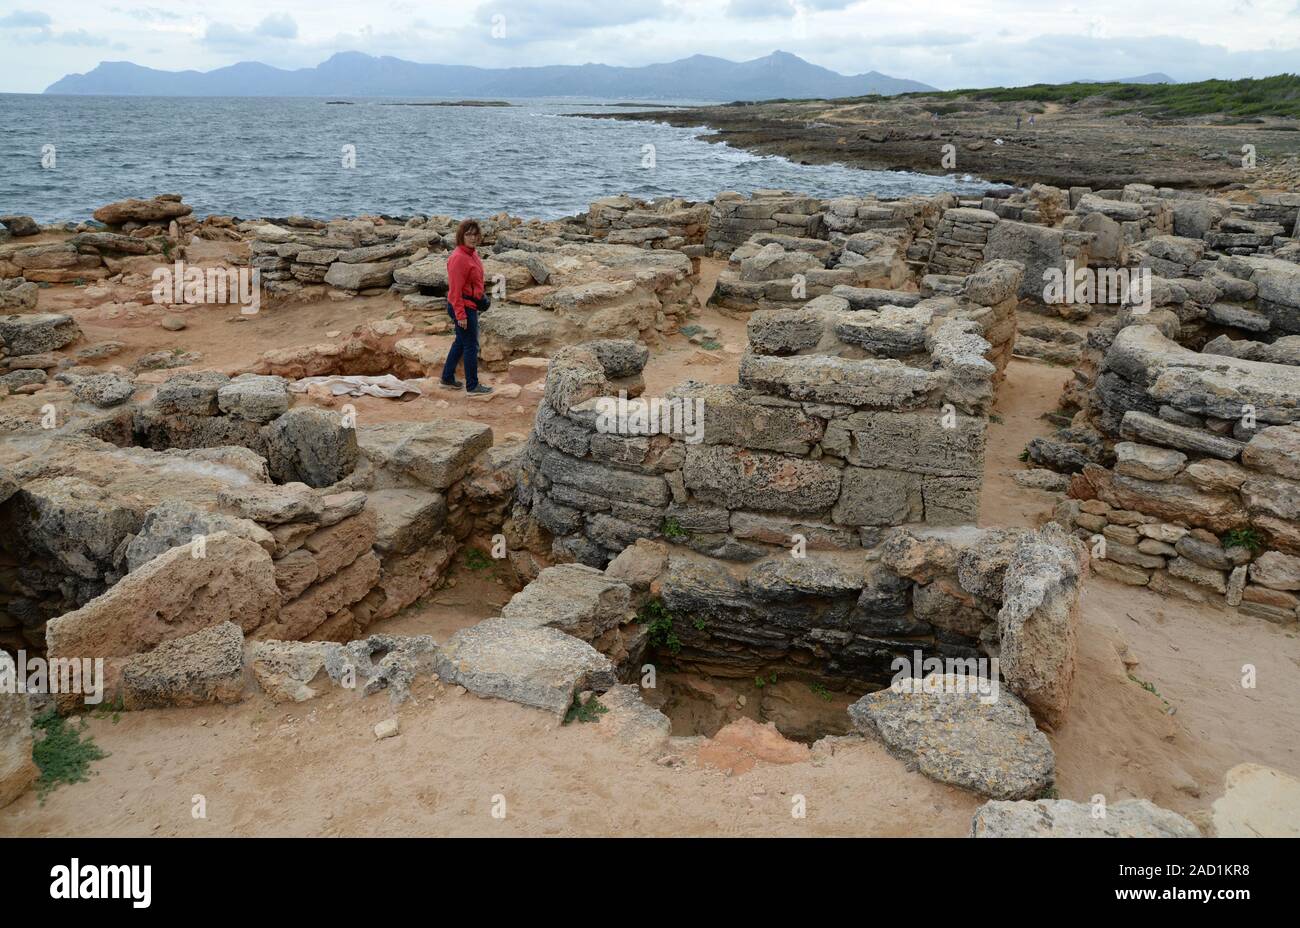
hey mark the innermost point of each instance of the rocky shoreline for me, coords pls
(1068, 146)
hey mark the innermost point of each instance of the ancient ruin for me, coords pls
(773, 540)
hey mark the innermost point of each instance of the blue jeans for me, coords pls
(466, 346)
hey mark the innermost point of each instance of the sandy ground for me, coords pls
(1030, 390)
(316, 768)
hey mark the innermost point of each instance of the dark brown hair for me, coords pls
(466, 226)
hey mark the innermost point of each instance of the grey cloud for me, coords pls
(1062, 58)
(274, 27)
(760, 9)
(278, 26)
(26, 19)
(530, 20)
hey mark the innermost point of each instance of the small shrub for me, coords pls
(671, 528)
(474, 559)
(591, 711)
(1248, 538)
(61, 753)
(821, 691)
(659, 626)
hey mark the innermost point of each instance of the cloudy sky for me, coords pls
(947, 43)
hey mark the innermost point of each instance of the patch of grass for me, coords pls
(1248, 538)
(474, 559)
(659, 626)
(995, 418)
(710, 344)
(699, 623)
(591, 711)
(672, 529)
(692, 329)
(820, 690)
(1024, 456)
(1150, 688)
(760, 682)
(61, 752)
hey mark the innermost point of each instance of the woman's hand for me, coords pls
(462, 322)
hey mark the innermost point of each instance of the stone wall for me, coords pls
(837, 617)
(1203, 496)
(353, 523)
(959, 240)
(793, 448)
(663, 223)
(734, 218)
(773, 271)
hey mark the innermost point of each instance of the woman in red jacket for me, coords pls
(465, 298)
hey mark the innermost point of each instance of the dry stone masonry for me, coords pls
(817, 519)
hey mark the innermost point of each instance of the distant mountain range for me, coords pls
(1155, 77)
(354, 74)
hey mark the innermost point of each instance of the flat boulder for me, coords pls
(1061, 818)
(782, 577)
(18, 293)
(256, 397)
(20, 226)
(1257, 802)
(573, 598)
(176, 522)
(955, 735)
(162, 208)
(272, 504)
(38, 333)
(435, 453)
(539, 667)
(102, 390)
(173, 595)
(205, 667)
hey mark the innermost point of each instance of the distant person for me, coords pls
(1031, 120)
(934, 117)
(466, 298)
(1018, 121)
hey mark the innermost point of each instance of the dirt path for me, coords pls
(1031, 389)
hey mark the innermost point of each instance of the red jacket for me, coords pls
(464, 278)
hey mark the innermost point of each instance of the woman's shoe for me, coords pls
(450, 384)
(480, 390)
